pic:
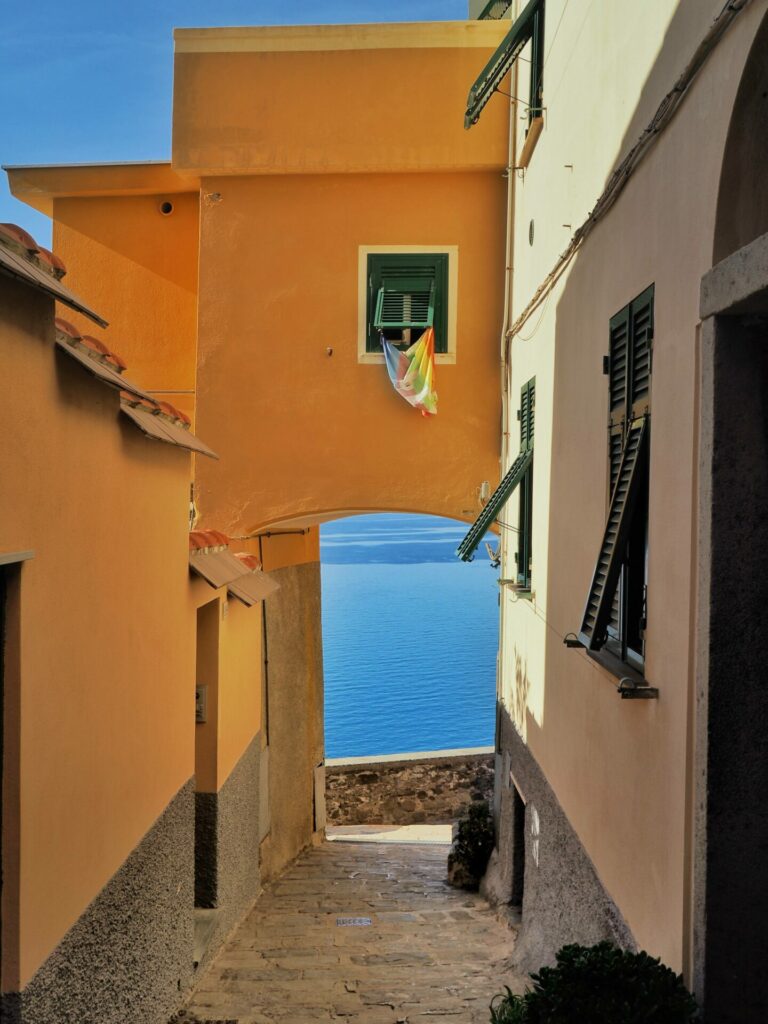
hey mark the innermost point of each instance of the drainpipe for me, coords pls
(505, 347)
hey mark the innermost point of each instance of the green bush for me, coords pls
(599, 985)
(474, 839)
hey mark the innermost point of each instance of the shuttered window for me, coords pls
(529, 27)
(611, 559)
(519, 474)
(525, 515)
(407, 293)
(615, 611)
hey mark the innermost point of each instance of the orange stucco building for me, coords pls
(236, 285)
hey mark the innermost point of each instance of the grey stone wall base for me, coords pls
(129, 956)
(407, 792)
(563, 898)
(206, 850)
(227, 846)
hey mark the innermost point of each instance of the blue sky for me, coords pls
(90, 80)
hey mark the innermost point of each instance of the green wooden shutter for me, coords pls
(490, 78)
(512, 478)
(619, 334)
(639, 353)
(405, 302)
(527, 414)
(594, 625)
(494, 10)
(496, 502)
(630, 337)
(525, 515)
(407, 290)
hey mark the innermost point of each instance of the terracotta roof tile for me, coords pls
(162, 425)
(20, 236)
(54, 262)
(67, 328)
(22, 259)
(94, 343)
(201, 539)
(197, 540)
(250, 561)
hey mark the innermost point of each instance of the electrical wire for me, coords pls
(561, 636)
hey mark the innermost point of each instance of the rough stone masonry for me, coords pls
(412, 790)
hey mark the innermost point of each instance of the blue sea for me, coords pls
(409, 637)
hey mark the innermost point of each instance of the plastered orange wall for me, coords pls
(240, 671)
(230, 663)
(328, 107)
(107, 635)
(301, 431)
(138, 268)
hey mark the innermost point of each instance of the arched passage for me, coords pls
(742, 204)
(731, 766)
(410, 637)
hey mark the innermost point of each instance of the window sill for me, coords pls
(377, 358)
(618, 668)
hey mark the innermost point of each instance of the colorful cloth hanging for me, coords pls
(412, 372)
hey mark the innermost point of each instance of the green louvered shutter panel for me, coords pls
(597, 612)
(512, 478)
(619, 334)
(527, 414)
(407, 290)
(630, 340)
(505, 55)
(639, 353)
(494, 10)
(496, 502)
(405, 302)
(524, 522)
(615, 450)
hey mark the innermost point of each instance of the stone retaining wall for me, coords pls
(407, 789)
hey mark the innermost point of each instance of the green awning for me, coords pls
(496, 502)
(491, 76)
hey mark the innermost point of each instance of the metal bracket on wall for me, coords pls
(629, 689)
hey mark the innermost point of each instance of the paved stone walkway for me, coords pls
(430, 955)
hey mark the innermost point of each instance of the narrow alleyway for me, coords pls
(364, 934)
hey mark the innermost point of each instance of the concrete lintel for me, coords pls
(739, 283)
(11, 557)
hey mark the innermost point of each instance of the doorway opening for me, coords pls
(518, 848)
(206, 752)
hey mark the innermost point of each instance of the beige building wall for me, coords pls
(620, 769)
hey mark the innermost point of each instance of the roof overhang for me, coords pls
(38, 185)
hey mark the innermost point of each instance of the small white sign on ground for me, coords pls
(353, 922)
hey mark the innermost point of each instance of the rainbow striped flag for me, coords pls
(412, 372)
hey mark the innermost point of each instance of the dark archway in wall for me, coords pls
(742, 203)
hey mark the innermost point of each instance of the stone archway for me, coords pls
(742, 203)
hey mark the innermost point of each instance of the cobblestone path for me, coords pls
(430, 955)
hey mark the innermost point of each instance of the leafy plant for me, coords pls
(600, 984)
(508, 1009)
(474, 840)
